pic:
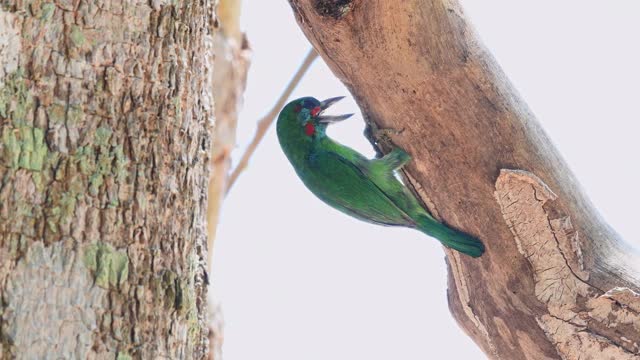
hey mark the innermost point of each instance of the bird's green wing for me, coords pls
(346, 186)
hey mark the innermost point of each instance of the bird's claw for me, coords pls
(381, 138)
(384, 136)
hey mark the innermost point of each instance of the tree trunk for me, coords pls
(230, 76)
(105, 111)
(556, 280)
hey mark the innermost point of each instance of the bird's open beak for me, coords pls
(330, 119)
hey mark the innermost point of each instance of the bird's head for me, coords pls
(305, 116)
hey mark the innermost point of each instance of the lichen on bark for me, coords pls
(104, 146)
(52, 305)
(109, 266)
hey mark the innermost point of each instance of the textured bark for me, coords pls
(106, 112)
(556, 280)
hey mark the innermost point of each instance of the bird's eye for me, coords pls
(315, 111)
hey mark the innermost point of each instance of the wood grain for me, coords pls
(479, 153)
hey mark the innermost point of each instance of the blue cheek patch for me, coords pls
(304, 115)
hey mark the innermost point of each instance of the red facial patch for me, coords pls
(315, 111)
(309, 129)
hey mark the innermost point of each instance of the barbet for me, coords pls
(344, 179)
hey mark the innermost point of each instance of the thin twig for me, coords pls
(267, 120)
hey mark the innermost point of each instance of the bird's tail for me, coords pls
(451, 238)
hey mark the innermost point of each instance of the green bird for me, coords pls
(344, 179)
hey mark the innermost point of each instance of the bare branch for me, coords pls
(267, 120)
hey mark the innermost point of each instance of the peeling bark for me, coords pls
(104, 151)
(581, 321)
(555, 276)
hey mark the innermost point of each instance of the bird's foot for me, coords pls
(385, 134)
(381, 138)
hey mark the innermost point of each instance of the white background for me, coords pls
(299, 280)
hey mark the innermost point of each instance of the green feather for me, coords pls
(346, 180)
